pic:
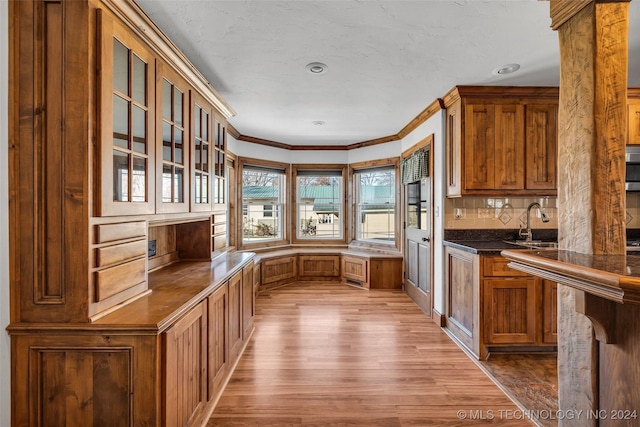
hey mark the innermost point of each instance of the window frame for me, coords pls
(354, 170)
(244, 162)
(296, 171)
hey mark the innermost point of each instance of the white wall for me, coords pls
(435, 126)
(5, 359)
(258, 151)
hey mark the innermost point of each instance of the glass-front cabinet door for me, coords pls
(202, 148)
(172, 123)
(126, 163)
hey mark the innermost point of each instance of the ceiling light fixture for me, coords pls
(506, 69)
(318, 123)
(316, 68)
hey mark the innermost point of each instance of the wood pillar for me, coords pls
(593, 39)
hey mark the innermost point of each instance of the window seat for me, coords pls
(361, 267)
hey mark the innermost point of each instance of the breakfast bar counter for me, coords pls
(613, 277)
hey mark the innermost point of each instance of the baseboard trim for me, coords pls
(439, 318)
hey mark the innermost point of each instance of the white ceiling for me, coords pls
(387, 60)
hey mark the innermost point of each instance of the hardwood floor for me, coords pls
(531, 380)
(334, 355)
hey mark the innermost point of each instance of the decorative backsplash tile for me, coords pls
(499, 213)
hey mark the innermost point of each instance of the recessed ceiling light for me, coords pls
(318, 123)
(316, 68)
(506, 69)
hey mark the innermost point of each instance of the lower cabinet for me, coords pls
(491, 307)
(509, 310)
(355, 270)
(217, 340)
(122, 371)
(185, 393)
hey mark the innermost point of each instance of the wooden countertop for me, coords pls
(176, 289)
(173, 291)
(613, 277)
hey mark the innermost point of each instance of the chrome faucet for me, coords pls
(527, 233)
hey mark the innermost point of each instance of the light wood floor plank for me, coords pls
(333, 355)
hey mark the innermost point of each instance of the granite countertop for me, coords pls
(491, 242)
(614, 277)
(484, 247)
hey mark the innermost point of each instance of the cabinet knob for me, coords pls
(425, 239)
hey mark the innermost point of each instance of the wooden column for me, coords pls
(592, 120)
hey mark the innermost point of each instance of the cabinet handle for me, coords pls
(425, 239)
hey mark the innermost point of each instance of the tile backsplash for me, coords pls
(500, 212)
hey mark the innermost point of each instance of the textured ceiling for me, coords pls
(387, 60)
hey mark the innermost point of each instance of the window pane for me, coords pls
(197, 151)
(120, 122)
(375, 206)
(120, 176)
(205, 126)
(178, 134)
(166, 100)
(197, 187)
(178, 196)
(139, 84)
(139, 129)
(260, 189)
(177, 106)
(196, 122)
(166, 183)
(205, 157)
(205, 189)
(139, 180)
(120, 67)
(319, 202)
(166, 142)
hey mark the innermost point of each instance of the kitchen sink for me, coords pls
(534, 244)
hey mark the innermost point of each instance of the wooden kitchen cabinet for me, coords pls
(501, 141)
(126, 177)
(235, 314)
(509, 310)
(101, 333)
(248, 301)
(494, 146)
(462, 305)
(217, 340)
(491, 307)
(185, 364)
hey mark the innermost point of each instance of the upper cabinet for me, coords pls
(126, 117)
(501, 141)
(633, 106)
(172, 124)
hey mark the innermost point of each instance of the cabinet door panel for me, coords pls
(509, 311)
(479, 147)
(541, 147)
(218, 339)
(185, 364)
(248, 301)
(173, 128)
(127, 156)
(549, 312)
(235, 315)
(509, 147)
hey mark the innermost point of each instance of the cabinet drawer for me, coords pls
(497, 266)
(114, 280)
(127, 230)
